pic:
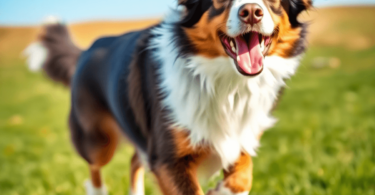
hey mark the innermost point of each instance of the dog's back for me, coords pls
(98, 77)
(107, 89)
(102, 75)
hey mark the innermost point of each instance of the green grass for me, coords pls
(324, 142)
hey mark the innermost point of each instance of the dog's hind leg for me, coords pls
(95, 137)
(136, 176)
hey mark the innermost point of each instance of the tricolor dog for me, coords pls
(193, 93)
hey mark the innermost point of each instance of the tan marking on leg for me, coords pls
(179, 176)
(165, 181)
(186, 184)
(99, 141)
(183, 146)
(237, 179)
(109, 132)
(95, 176)
(137, 176)
(239, 176)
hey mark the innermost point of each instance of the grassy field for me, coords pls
(323, 144)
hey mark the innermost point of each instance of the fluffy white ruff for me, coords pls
(222, 190)
(36, 55)
(216, 104)
(91, 190)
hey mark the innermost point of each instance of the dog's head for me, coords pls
(245, 30)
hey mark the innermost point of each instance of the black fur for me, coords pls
(301, 45)
(185, 46)
(102, 72)
(215, 12)
(62, 53)
(195, 10)
(294, 8)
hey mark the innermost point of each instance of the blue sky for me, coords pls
(31, 12)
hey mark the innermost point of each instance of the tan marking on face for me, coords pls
(205, 35)
(239, 176)
(285, 37)
(283, 42)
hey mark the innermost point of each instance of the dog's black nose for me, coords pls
(251, 13)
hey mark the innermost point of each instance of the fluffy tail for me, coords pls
(54, 52)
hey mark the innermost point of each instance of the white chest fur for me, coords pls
(209, 98)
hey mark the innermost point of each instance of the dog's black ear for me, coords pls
(195, 9)
(294, 8)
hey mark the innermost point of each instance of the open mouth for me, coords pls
(248, 51)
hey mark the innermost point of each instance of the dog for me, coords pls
(193, 93)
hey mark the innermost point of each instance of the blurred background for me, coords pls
(323, 144)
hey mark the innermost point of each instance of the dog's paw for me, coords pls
(222, 190)
(92, 190)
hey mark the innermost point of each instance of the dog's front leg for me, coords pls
(237, 179)
(178, 177)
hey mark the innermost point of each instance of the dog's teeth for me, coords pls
(233, 49)
(262, 47)
(231, 44)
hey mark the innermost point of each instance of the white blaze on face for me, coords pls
(235, 27)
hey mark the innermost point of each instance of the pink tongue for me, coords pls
(249, 57)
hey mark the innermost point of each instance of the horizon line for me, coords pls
(155, 17)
